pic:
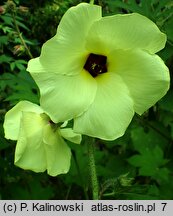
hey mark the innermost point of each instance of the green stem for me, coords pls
(91, 1)
(92, 169)
(20, 35)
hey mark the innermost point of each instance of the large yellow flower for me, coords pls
(100, 70)
(40, 144)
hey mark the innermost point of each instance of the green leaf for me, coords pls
(149, 161)
(146, 140)
(20, 24)
(166, 102)
(7, 19)
(131, 6)
(3, 40)
(3, 142)
(5, 59)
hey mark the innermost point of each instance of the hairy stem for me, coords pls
(92, 169)
(20, 35)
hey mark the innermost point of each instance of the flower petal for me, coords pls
(30, 152)
(57, 152)
(69, 134)
(58, 58)
(110, 113)
(34, 65)
(65, 53)
(78, 19)
(125, 32)
(146, 76)
(65, 97)
(13, 118)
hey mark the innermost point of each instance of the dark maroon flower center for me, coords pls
(96, 64)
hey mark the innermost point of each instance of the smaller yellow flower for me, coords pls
(40, 144)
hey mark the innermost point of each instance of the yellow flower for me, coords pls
(40, 144)
(99, 70)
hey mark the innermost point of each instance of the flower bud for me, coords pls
(2, 9)
(10, 6)
(18, 49)
(23, 9)
(125, 181)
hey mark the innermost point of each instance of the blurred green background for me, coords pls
(138, 165)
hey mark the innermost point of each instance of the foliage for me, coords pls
(138, 165)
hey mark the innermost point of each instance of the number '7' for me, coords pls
(164, 205)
